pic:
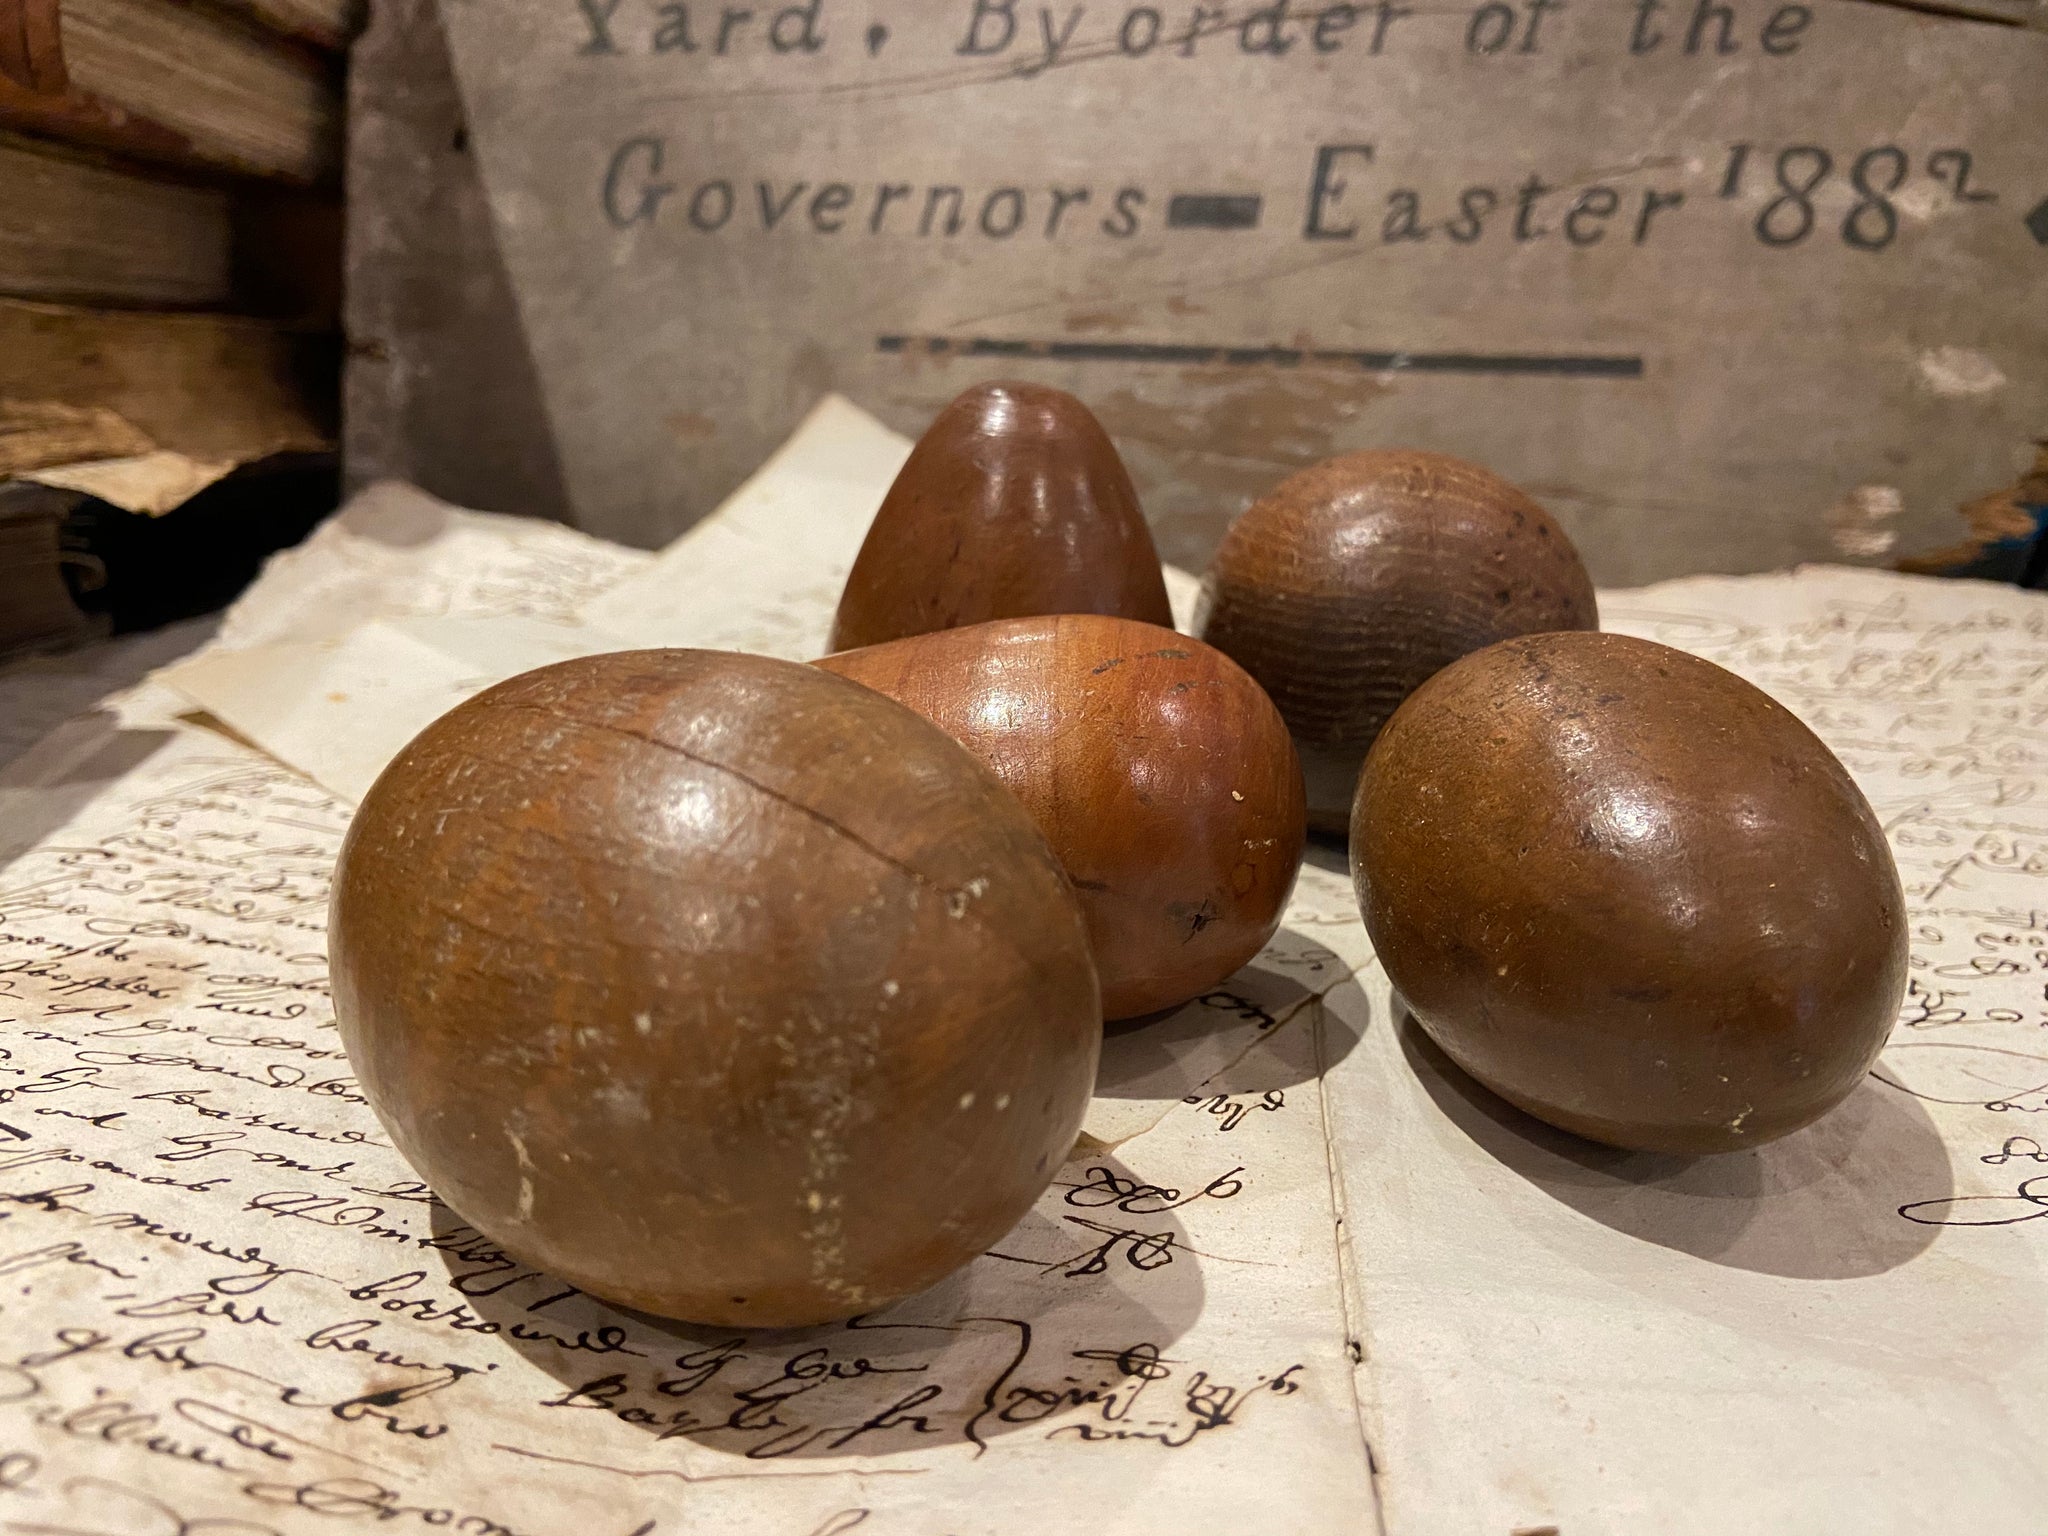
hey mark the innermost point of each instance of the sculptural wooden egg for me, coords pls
(716, 986)
(1356, 579)
(1160, 773)
(1013, 503)
(1630, 893)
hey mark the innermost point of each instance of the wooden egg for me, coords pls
(1013, 503)
(716, 986)
(1356, 579)
(1160, 773)
(1630, 893)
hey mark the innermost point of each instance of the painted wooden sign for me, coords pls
(1726, 283)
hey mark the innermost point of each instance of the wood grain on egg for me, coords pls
(1013, 503)
(1160, 773)
(716, 986)
(1630, 893)
(1356, 579)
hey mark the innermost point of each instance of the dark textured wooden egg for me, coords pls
(1356, 579)
(1630, 893)
(1013, 503)
(1160, 773)
(717, 986)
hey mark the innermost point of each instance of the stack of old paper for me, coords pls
(1298, 1276)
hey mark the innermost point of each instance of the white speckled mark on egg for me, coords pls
(834, 1066)
(525, 1175)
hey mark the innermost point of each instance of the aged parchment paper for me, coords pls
(1839, 1332)
(230, 1308)
(1290, 1234)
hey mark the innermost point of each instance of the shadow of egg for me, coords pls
(1069, 1317)
(1819, 1204)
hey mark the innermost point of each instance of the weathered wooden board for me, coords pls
(439, 387)
(1729, 283)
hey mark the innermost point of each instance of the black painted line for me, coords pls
(1214, 210)
(1553, 365)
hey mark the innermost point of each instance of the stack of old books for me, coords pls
(170, 231)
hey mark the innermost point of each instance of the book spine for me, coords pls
(46, 92)
(82, 232)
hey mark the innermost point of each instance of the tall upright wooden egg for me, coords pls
(1013, 503)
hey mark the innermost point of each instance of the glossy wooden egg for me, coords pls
(1630, 893)
(716, 986)
(1356, 579)
(1013, 503)
(1160, 773)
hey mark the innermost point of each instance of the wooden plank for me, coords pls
(1728, 284)
(440, 385)
(85, 233)
(211, 386)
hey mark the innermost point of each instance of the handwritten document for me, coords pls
(1297, 1276)
(227, 1306)
(1842, 1331)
